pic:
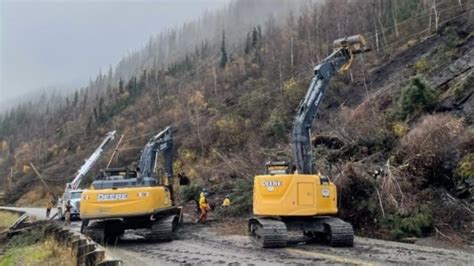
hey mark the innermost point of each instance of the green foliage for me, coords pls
(231, 131)
(358, 202)
(465, 174)
(466, 166)
(241, 200)
(224, 57)
(416, 224)
(181, 66)
(277, 125)
(29, 248)
(451, 36)
(293, 92)
(188, 193)
(76, 98)
(36, 254)
(30, 238)
(400, 129)
(416, 98)
(7, 219)
(253, 43)
(462, 86)
(422, 66)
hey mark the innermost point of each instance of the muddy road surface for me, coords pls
(224, 243)
(205, 244)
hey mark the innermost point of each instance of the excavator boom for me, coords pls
(340, 59)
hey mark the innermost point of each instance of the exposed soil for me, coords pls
(206, 244)
(225, 243)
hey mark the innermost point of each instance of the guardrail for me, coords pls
(22, 216)
(83, 250)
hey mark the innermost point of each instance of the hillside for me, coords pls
(394, 133)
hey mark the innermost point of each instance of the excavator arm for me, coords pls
(160, 143)
(340, 59)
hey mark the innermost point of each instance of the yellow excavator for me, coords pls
(120, 199)
(291, 196)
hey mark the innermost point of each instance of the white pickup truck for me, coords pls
(74, 197)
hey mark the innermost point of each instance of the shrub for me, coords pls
(357, 192)
(366, 125)
(466, 166)
(29, 238)
(465, 174)
(462, 86)
(400, 129)
(188, 193)
(231, 131)
(422, 66)
(416, 98)
(276, 125)
(430, 149)
(435, 135)
(241, 201)
(293, 91)
(417, 224)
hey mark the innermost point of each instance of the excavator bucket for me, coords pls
(355, 43)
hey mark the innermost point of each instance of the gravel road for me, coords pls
(202, 245)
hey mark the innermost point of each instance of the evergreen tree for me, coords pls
(254, 37)
(224, 58)
(110, 75)
(247, 44)
(100, 113)
(417, 97)
(84, 101)
(121, 91)
(76, 98)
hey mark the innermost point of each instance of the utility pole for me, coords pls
(115, 151)
(40, 177)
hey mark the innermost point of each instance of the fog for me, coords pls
(61, 44)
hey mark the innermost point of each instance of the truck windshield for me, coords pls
(76, 195)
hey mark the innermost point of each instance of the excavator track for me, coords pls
(163, 228)
(338, 233)
(104, 231)
(268, 233)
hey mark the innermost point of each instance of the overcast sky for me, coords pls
(63, 43)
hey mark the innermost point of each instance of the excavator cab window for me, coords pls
(278, 168)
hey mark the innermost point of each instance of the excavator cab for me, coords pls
(277, 167)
